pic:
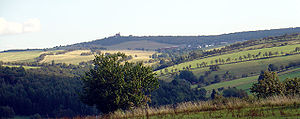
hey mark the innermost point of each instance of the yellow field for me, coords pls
(25, 67)
(74, 57)
(25, 56)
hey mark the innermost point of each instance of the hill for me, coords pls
(238, 65)
(142, 42)
(260, 51)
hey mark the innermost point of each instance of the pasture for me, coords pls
(235, 57)
(246, 83)
(24, 56)
(74, 57)
(25, 67)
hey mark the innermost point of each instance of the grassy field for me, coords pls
(25, 56)
(253, 67)
(233, 56)
(279, 107)
(246, 83)
(25, 67)
(74, 57)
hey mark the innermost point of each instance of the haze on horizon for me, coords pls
(42, 24)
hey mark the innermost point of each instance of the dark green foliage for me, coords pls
(6, 112)
(272, 67)
(268, 85)
(188, 75)
(217, 79)
(36, 116)
(292, 86)
(175, 92)
(213, 94)
(297, 49)
(113, 84)
(214, 67)
(46, 91)
(234, 92)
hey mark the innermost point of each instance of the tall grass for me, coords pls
(229, 104)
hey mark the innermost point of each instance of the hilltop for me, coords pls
(119, 42)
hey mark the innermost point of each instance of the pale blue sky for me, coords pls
(60, 22)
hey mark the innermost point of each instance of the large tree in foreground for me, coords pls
(115, 84)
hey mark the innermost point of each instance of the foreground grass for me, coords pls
(273, 107)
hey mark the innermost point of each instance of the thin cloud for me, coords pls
(10, 28)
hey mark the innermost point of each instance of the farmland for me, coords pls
(235, 57)
(25, 67)
(246, 83)
(252, 67)
(25, 56)
(72, 57)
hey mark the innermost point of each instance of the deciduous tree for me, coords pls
(117, 84)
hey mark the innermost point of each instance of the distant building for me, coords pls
(118, 34)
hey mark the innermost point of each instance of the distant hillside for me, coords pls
(155, 42)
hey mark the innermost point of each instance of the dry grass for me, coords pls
(25, 56)
(229, 104)
(74, 57)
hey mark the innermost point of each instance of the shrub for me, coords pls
(233, 92)
(292, 86)
(6, 112)
(268, 85)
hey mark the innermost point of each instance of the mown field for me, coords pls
(72, 57)
(234, 57)
(25, 56)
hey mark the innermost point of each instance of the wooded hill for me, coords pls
(156, 42)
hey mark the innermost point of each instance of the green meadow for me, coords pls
(211, 60)
(246, 83)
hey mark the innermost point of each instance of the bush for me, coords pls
(36, 116)
(188, 75)
(268, 85)
(292, 86)
(6, 112)
(233, 92)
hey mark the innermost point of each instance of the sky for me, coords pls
(49, 23)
